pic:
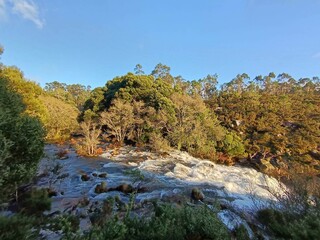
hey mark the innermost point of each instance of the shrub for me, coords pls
(297, 217)
(167, 223)
(17, 227)
(36, 202)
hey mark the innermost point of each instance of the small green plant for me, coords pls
(69, 224)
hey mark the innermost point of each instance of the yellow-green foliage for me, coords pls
(29, 91)
(62, 118)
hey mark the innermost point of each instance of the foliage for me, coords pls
(28, 90)
(232, 145)
(69, 224)
(167, 223)
(277, 118)
(119, 120)
(147, 110)
(17, 227)
(73, 94)
(62, 118)
(297, 217)
(91, 132)
(21, 141)
(35, 202)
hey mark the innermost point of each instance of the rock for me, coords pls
(125, 188)
(102, 175)
(197, 195)
(94, 174)
(51, 192)
(101, 188)
(85, 177)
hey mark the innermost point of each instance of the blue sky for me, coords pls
(90, 42)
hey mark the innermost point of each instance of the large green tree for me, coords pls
(21, 141)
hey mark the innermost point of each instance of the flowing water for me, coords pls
(169, 175)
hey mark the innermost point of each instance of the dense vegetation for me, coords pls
(21, 141)
(273, 122)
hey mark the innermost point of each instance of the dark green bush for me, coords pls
(21, 142)
(35, 202)
(69, 224)
(286, 225)
(167, 222)
(17, 227)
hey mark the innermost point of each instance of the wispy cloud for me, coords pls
(27, 9)
(316, 55)
(2, 9)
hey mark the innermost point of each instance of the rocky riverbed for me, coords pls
(79, 185)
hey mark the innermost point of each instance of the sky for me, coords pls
(91, 42)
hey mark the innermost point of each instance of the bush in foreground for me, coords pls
(17, 227)
(168, 222)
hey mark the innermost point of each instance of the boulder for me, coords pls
(196, 195)
(51, 192)
(125, 188)
(101, 188)
(102, 175)
(85, 177)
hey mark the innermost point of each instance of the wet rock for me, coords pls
(125, 188)
(102, 175)
(51, 192)
(197, 195)
(101, 188)
(94, 174)
(85, 177)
